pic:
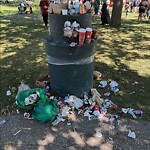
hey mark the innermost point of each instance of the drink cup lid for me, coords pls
(82, 30)
(89, 29)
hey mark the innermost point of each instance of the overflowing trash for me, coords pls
(40, 105)
(28, 98)
(85, 35)
(45, 111)
(70, 7)
(37, 101)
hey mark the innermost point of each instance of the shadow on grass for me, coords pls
(117, 50)
(22, 57)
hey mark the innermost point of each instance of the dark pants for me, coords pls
(96, 9)
(105, 17)
(45, 19)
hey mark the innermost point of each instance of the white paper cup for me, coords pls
(64, 11)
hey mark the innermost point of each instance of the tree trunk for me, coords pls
(116, 13)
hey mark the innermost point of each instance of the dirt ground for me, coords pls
(18, 133)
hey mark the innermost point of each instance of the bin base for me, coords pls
(71, 79)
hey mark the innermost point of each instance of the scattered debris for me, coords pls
(92, 105)
(114, 86)
(107, 94)
(23, 87)
(26, 115)
(96, 97)
(132, 92)
(138, 112)
(99, 134)
(58, 120)
(131, 134)
(135, 83)
(64, 111)
(17, 132)
(8, 93)
(73, 44)
(109, 104)
(132, 112)
(2, 121)
(32, 98)
(17, 111)
(97, 74)
(69, 123)
(110, 139)
(112, 127)
(26, 128)
(102, 84)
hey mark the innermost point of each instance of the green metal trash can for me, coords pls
(70, 68)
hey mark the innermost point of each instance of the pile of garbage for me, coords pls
(42, 106)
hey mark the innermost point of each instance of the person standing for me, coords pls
(127, 8)
(96, 5)
(44, 6)
(105, 16)
(142, 9)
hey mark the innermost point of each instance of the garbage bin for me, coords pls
(70, 68)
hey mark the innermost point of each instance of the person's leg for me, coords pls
(131, 8)
(107, 18)
(140, 16)
(96, 10)
(102, 19)
(45, 19)
(25, 9)
(126, 13)
(31, 10)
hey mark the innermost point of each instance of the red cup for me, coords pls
(88, 35)
(96, 107)
(81, 36)
(94, 36)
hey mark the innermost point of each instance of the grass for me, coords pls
(123, 55)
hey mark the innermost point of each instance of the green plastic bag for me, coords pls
(24, 94)
(45, 111)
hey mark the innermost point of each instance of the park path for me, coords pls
(18, 133)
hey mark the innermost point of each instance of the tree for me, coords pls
(116, 13)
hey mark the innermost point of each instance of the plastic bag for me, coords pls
(23, 87)
(45, 111)
(22, 95)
